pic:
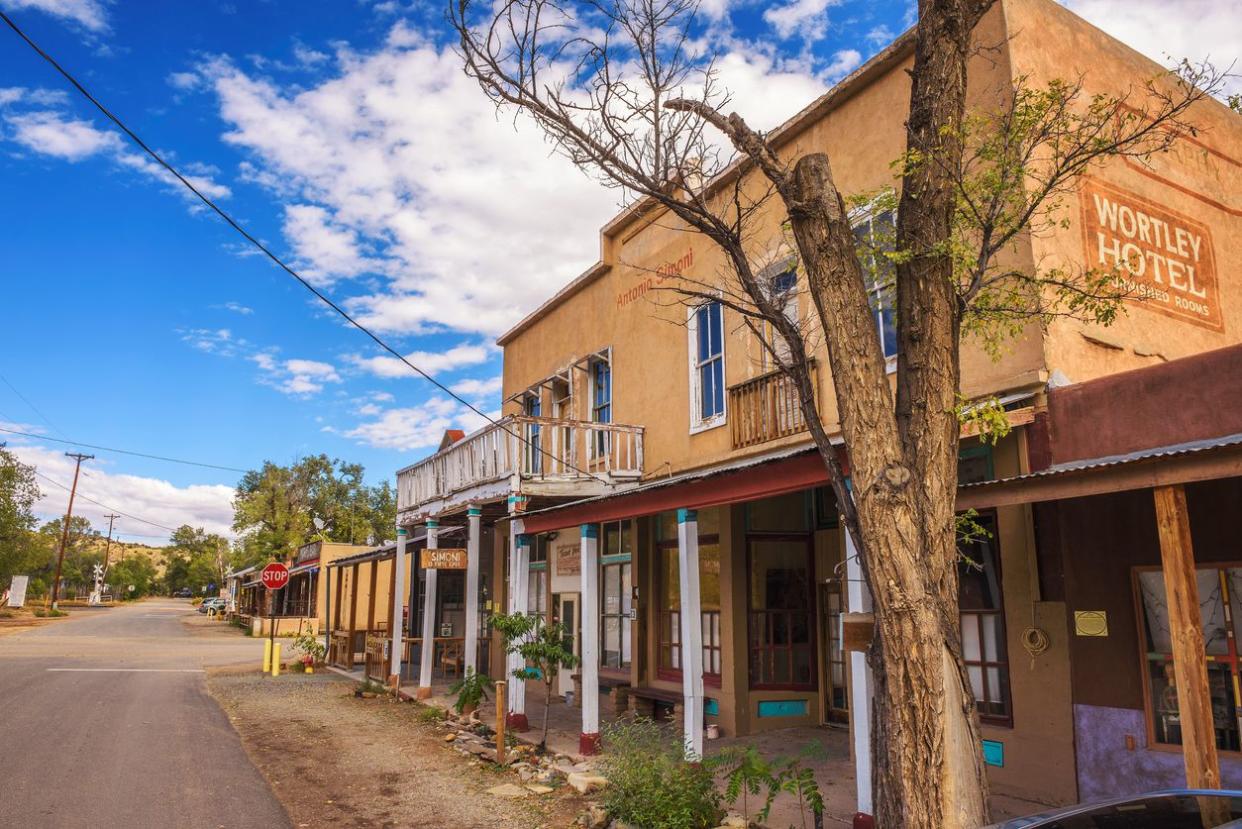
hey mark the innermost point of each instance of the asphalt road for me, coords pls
(105, 721)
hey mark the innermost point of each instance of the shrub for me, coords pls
(651, 785)
(311, 645)
(471, 690)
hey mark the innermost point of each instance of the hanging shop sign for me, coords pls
(444, 558)
(569, 560)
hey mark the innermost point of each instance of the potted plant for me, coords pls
(471, 689)
(312, 648)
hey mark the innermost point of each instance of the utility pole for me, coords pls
(64, 531)
(108, 549)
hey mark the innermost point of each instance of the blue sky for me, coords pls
(343, 134)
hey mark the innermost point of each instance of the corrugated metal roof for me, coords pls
(1170, 451)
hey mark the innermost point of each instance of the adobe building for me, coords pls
(301, 606)
(652, 485)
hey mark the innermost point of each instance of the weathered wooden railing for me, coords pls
(375, 660)
(766, 407)
(529, 448)
(448, 661)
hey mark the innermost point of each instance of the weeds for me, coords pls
(651, 784)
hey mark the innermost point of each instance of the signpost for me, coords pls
(274, 576)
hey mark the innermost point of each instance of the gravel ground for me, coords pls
(334, 760)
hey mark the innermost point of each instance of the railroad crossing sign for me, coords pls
(274, 576)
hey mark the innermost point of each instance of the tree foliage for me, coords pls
(275, 507)
(196, 559)
(544, 647)
(22, 551)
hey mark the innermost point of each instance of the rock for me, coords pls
(595, 817)
(537, 789)
(734, 821)
(584, 783)
(508, 790)
(448, 738)
(544, 777)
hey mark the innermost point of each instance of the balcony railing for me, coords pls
(525, 448)
(766, 407)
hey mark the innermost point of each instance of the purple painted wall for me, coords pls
(1107, 769)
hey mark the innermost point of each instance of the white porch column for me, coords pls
(429, 616)
(519, 600)
(861, 686)
(691, 631)
(474, 517)
(588, 742)
(398, 604)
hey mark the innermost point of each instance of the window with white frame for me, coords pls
(533, 407)
(783, 293)
(707, 391)
(876, 233)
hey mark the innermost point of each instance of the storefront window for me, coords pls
(781, 617)
(669, 592)
(616, 585)
(537, 579)
(983, 621)
(1220, 589)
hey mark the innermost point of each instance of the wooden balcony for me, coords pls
(523, 454)
(766, 408)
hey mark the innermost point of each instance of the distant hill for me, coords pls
(126, 549)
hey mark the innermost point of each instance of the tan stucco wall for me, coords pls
(1200, 180)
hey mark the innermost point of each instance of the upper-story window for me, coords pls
(532, 406)
(783, 292)
(707, 391)
(601, 403)
(877, 233)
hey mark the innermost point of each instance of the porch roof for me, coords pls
(1178, 463)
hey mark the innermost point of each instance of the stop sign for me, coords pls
(274, 576)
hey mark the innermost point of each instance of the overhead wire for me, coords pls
(66, 488)
(124, 451)
(33, 407)
(231, 222)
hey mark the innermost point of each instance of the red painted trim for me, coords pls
(750, 484)
(588, 744)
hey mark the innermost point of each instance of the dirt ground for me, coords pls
(15, 620)
(334, 760)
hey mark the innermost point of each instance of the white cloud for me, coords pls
(415, 427)
(184, 81)
(843, 62)
(236, 308)
(764, 92)
(325, 249)
(1199, 29)
(214, 341)
(478, 388)
(56, 134)
(297, 376)
(199, 505)
(432, 362)
(805, 18)
(51, 134)
(90, 14)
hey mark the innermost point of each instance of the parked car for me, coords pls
(183, 593)
(214, 603)
(1167, 809)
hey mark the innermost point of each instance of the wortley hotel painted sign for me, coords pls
(1164, 258)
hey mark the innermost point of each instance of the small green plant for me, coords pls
(471, 689)
(747, 774)
(52, 613)
(312, 646)
(429, 714)
(544, 648)
(368, 686)
(799, 780)
(651, 784)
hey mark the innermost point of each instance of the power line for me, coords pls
(123, 451)
(41, 415)
(276, 259)
(105, 506)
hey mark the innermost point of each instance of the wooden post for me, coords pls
(371, 595)
(353, 614)
(1194, 700)
(501, 716)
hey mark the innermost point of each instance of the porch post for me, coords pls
(858, 597)
(691, 632)
(519, 544)
(327, 610)
(398, 604)
(429, 616)
(1194, 700)
(588, 742)
(353, 613)
(474, 517)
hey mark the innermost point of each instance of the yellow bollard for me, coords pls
(267, 655)
(276, 659)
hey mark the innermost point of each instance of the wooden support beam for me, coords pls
(371, 595)
(353, 612)
(1194, 699)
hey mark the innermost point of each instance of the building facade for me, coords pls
(652, 485)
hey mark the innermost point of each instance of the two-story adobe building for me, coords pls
(653, 487)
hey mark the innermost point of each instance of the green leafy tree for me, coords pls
(274, 507)
(544, 648)
(137, 570)
(81, 551)
(196, 557)
(22, 551)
